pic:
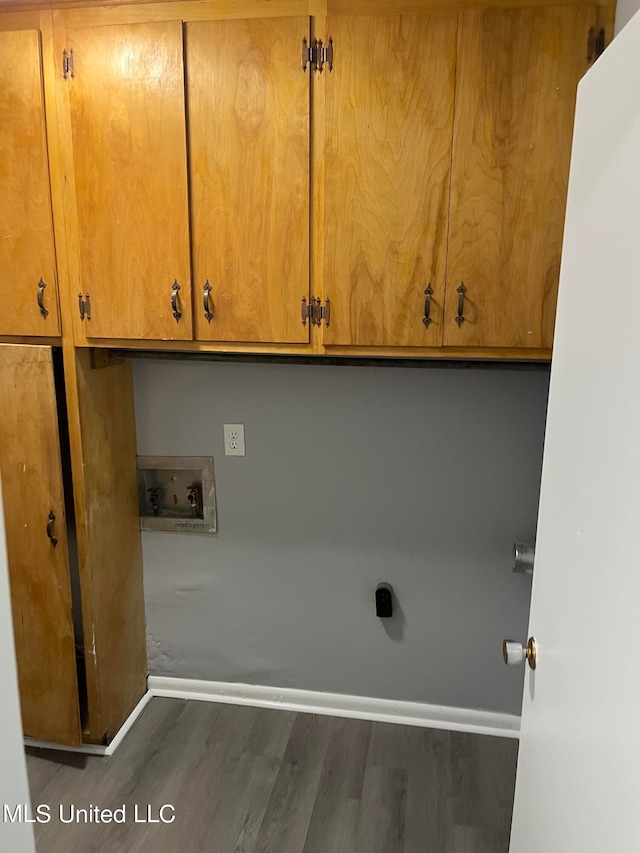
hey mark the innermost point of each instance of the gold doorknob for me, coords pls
(514, 653)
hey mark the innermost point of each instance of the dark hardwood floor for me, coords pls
(248, 780)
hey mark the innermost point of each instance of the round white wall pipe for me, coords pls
(523, 556)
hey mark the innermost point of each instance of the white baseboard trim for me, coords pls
(339, 705)
(309, 702)
(96, 749)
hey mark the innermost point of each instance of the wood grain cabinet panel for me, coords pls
(518, 71)
(103, 457)
(32, 488)
(248, 111)
(387, 148)
(28, 286)
(130, 164)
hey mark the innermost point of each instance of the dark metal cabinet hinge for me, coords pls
(596, 43)
(315, 312)
(68, 63)
(84, 306)
(316, 55)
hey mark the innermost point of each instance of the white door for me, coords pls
(578, 782)
(14, 791)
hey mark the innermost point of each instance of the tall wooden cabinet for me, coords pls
(67, 435)
(28, 275)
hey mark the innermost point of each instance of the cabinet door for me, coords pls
(28, 287)
(388, 128)
(248, 102)
(518, 71)
(130, 167)
(37, 545)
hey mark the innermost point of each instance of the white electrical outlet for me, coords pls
(234, 440)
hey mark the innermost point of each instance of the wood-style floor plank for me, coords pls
(429, 792)
(382, 814)
(334, 821)
(286, 822)
(249, 780)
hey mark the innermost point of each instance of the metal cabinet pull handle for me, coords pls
(50, 535)
(428, 293)
(41, 286)
(207, 308)
(175, 288)
(460, 318)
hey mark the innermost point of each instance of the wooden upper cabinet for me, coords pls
(28, 288)
(37, 549)
(248, 120)
(387, 149)
(130, 165)
(518, 72)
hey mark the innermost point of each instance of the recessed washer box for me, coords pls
(177, 494)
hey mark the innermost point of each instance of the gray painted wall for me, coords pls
(353, 475)
(625, 10)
